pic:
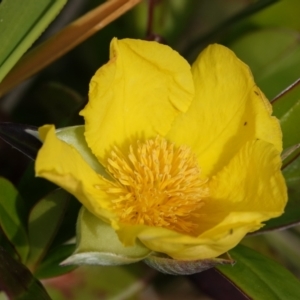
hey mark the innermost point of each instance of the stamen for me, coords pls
(157, 184)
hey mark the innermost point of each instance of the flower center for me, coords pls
(158, 185)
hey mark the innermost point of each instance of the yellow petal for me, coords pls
(137, 94)
(248, 191)
(252, 181)
(183, 247)
(228, 110)
(61, 163)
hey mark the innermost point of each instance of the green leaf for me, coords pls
(249, 10)
(273, 66)
(260, 277)
(44, 222)
(67, 228)
(282, 14)
(17, 282)
(21, 137)
(50, 266)
(65, 40)
(12, 217)
(22, 22)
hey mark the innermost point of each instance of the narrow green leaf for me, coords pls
(12, 217)
(17, 282)
(50, 266)
(260, 277)
(44, 222)
(289, 155)
(65, 40)
(22, 22)
(21, 137)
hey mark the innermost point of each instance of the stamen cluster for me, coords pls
(157, 184)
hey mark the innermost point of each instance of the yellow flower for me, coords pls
(191, 155)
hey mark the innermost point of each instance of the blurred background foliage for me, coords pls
(37, 219)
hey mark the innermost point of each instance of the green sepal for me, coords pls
(168, 265)
(98, 244)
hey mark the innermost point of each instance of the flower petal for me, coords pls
(74, 136)
(137, 94)
(248, 191)
(183, 247)
(61, 163)
(228, 110)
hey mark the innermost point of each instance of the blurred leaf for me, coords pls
(12, 217)
(65, 40)
(287, 244)
(101, 283)
(272, 56)
(22, 22)
(21, 137)
(50, 266)
(44, 221)
(17, 281)
(202, 41)
(260, 277)
(33, 188)
(167, 19)
(51, 103)
(67, 228)
(282, 14)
